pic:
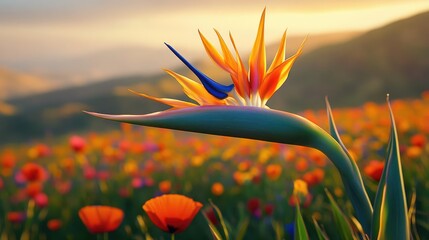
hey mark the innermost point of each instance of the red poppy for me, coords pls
(101, 219)
(54, 224)
(253, 205)
(211, 215)
(314, 177)
(172, 212)
(41, 200)
(374, 170)
(33, 172)
(269, 209)
(418, 140)
(16, 217)
(89, 173)
(34, 188)
(77, 143)
(306, 201)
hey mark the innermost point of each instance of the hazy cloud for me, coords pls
(24, 11)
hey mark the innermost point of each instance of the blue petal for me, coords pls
(214, 88)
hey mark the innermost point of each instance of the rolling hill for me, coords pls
(392, 59)
(28, 84)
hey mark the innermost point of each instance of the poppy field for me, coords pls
(145, 183)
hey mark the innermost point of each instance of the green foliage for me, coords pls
(321, 235)
(343, 227)
(390, 212)
(300, 229)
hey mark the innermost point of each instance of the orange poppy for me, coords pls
(217, 189)
(172, 212)
(101, 219)
(165, 186)
(273, 171)
(8, 159)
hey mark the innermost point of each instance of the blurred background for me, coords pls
(58, 58)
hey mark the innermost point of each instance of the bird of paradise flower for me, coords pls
(249, 88)
(243, 113)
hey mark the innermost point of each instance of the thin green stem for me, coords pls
(173, 236)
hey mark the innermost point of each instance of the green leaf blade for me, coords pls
(300, 229)
(393, 212)
(343, 227)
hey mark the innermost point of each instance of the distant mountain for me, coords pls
(100, 65)
(107, 64)
(393, 59)
(17, 84)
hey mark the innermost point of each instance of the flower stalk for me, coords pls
(267, 125)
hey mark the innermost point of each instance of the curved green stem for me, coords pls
(352, 180)
(267, 125)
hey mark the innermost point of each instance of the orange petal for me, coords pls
(228, 58)
(213, 53)
(280, 55)
(240, 77)
(172, 212)
(275, 79)
(195, 91)
(168, 101)
(257, 59)
(101, 219)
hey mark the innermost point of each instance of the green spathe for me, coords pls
(261, 124)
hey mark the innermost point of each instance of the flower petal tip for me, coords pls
(214, 88)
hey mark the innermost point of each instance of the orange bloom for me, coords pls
(101, 219)
(8, 160)
(413, 152)
(301, 165)
(314, 177)
(172, 212)
(165, 186)
(300, 194)
(217, 189)
(273, 171)
(39, 151)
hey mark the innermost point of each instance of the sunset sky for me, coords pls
(46, 29)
